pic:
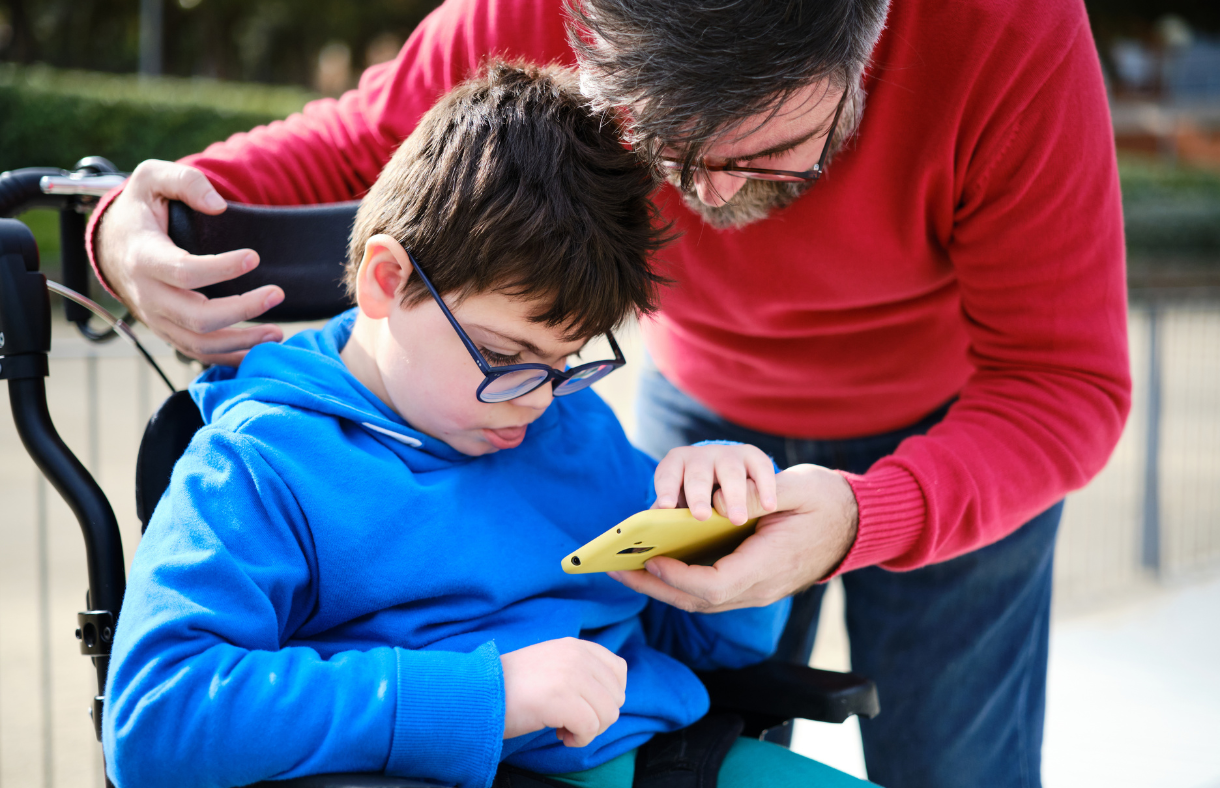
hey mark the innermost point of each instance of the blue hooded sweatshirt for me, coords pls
(324, 589)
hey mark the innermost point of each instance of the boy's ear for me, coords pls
(383, 272)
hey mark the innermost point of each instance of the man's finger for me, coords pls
(167, 263)
(207, 347)
(720, 587)
(172, 181)
(199, 314)
(196, 190)
(642, 582)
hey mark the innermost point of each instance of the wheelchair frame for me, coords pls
(300, 249)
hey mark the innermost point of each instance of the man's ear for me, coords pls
(382, 274)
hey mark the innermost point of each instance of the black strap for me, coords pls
(690, 757)
(687, 758)
(508, 776)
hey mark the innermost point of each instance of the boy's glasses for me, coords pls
(516, 380)
(763, 174)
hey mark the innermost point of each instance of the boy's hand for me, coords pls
(571, 685)
(688, 476)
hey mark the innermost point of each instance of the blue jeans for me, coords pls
(957, 649)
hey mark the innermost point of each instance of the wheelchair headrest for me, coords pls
(301, 249)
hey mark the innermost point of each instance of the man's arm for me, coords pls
(332, 151)
(1037, 246)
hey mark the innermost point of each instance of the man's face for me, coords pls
(791, 138)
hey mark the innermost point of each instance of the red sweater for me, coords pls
(967, 243)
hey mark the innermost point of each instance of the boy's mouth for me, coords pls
(506, 437)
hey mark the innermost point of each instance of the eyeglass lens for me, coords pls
(521, 382)
(583, 378)
(512, 384)
(766, 176)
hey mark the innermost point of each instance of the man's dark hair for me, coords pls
(687, 71)
(512, 183)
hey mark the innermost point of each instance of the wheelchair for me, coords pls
(302, 249)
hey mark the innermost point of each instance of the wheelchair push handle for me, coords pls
(25, 341)
(72, 194)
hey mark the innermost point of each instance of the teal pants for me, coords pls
(750, 764)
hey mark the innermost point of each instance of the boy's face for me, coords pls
(414, 360)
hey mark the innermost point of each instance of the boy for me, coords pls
(356, 565)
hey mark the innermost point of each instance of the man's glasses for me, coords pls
(516, 380)
(763, 174)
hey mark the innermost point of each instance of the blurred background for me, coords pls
(1134, 684)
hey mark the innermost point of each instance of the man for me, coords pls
(931, 338)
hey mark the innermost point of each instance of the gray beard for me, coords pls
(752, 203)
(758, 199)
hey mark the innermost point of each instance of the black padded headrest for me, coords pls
(301, 249)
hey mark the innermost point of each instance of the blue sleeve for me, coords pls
(706, 641)
(202, 690)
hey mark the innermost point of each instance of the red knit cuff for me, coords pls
(91, 232)
(892, 515)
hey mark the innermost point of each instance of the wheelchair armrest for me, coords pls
(765, 695)
(346, 781)
(769, 693)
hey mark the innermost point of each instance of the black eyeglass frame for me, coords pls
(761, 173)
(555, 376)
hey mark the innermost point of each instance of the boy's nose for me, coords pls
(717, 188)
(538, 399)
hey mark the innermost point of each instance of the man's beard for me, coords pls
(753, 202)
(757, 199)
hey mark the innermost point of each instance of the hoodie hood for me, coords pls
(306, 372)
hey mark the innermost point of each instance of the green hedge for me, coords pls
(52, 118)
(1170, 211)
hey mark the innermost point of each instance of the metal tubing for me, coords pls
(103, 544)
(1151, 546)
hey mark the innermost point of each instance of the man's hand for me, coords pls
(792, 549)
(688, 475)
(571, 685)
(157, 280)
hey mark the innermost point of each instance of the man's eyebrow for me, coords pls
(785, 146)
(788, 145)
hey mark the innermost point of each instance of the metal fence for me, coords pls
(1154, 512)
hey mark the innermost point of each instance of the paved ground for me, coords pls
(1133, 696)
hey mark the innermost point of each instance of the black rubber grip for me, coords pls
(301, 249)
(20, 191)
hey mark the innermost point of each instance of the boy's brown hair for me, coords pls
(512, 183)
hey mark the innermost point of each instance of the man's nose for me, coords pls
(717, 188)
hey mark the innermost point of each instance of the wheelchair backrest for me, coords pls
(301, 249)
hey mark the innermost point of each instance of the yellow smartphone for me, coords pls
(672, 532)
